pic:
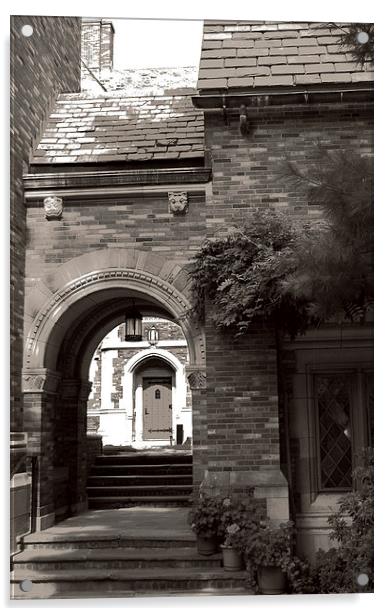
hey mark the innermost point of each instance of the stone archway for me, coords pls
(129, 384)
(67, 313)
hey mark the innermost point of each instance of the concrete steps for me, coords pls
(147, 478)
(74, 563)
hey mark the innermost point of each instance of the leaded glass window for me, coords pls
(334, 431)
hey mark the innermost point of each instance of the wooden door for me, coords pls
(157, 411)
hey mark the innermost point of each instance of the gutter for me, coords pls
(264, 97)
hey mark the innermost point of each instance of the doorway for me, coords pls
(157, 408)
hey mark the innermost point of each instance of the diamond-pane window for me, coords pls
(335, 451)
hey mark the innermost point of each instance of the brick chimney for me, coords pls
(97, 44)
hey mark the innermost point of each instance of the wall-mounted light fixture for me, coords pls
(153, 335)
(133, 325)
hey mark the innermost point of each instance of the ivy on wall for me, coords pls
(291, 275)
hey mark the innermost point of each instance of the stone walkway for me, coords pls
(133, 522)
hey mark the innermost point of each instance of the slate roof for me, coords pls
(85, 129)
(265, 54)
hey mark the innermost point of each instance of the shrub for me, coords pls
(337, 570)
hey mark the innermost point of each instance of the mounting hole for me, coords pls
(26, 585)
(27, 30)
(362, 579)
(362, 38)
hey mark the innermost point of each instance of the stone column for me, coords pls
(197, 380)
(40, 395)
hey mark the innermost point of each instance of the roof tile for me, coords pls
(287, 54)
(119, 128)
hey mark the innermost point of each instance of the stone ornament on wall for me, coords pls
(53, 207)
(197, 379)
(178, 202)
(40, 380)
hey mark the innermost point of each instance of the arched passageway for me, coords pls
(61, 339)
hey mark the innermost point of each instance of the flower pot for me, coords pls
(232, 558)
(207, 545)
(272, 580)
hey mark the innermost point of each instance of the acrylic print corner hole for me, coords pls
(27, 30)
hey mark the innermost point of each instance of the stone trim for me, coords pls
(197, 378)
(39, 380)
(148, 178)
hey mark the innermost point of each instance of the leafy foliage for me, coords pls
(289, 277)
(334, 260)
(238, 519)
(240, 276)
(205, 517)
(352, 527)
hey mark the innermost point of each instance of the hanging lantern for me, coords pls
(153, 335)
(133, 329)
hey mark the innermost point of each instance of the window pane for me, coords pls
(332, 393)
(370, 407)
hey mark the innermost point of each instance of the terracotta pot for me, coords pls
(232, 558)
(207, 545)
(272, 580)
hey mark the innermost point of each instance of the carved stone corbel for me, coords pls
(178, 202)
(197, 379)
(53, 207)
(40, 380)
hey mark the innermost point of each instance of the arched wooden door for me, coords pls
(157, 408)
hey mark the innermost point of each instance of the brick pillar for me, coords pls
(71, 432)
(39, 402)
(243, 449)
(197, 380)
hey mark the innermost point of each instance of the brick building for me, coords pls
(120, 193)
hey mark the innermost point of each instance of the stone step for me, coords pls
(139, 491)
(141, 469)
(76, 541)
(143, 458)
(108, 581)
(121, 594)
(136, 480)
(117, 502)
(49, 559)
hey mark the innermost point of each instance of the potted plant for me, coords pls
(205, 520)
(237, 519)
(268, 552)
(231, 548)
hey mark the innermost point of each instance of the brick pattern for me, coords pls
(242, 401)
(264, 54)
(104, 128)
(250, 173)
(140, 223)
(97, 44)
(39, 71)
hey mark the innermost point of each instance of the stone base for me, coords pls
(268, 484)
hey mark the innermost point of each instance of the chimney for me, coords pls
(97, 44)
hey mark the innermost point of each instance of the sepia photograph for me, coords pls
(192, 283)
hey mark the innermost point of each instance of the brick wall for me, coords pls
(42, 65)
(243, 427)
(248, 171)
(85, 226)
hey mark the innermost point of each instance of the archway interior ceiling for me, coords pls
(82, 327)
